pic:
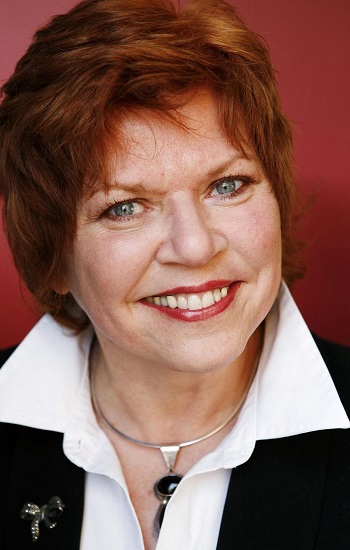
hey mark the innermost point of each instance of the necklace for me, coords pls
(165, 487)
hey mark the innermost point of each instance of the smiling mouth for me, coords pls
(190, 302)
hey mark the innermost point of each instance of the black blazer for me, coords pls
(292, 494)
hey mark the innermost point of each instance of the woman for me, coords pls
(149, 193)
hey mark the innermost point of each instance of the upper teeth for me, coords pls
(190, 301)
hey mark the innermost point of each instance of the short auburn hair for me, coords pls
(89, 66)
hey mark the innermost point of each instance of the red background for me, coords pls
(310, 48)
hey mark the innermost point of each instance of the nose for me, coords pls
(189, 238)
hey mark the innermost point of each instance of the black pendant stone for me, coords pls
(166, 485)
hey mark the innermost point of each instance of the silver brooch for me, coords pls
(50, 511)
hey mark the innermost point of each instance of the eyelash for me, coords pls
(246, 180)
(105, 212)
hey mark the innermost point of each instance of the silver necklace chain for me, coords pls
(169, 451)
(160, 445)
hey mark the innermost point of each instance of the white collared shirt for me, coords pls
(45, 385)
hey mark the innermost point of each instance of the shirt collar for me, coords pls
(292, 392)
(40, 382)
(296, 392)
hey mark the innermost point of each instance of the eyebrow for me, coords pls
(133, 188)
(228, 163)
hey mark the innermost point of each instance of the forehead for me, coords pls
(150, 138)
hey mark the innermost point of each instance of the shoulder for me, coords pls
(5, 354)
(337, 359)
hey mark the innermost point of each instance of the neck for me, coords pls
(152, 403)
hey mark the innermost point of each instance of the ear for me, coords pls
(62, 290)
(61, 286)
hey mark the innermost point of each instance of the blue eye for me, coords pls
(124, 209)
(227, 185)
(230, 187)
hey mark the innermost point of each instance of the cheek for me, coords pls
(257, 233)
(104, 267)
(268, 233)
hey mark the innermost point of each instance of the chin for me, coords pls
(197, 358)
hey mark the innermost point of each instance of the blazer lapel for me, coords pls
(39, 472)
(275, 499)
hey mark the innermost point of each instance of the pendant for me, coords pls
(164, 489)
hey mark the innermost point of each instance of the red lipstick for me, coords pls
(199, 314)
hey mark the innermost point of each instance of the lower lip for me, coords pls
(198, 314)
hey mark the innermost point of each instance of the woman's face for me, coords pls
(188, 217)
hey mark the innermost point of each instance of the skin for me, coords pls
(159, 378)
